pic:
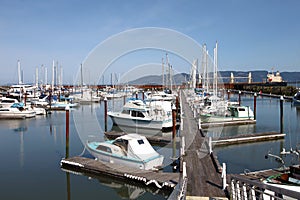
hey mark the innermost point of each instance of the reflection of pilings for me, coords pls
(68, 185)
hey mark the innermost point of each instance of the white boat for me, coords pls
(132, 150)
(138, 117)
(296, 99)
(7, 102)
(16, 111)
(61, 105)
(229, 114)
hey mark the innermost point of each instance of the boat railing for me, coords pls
(242, 188)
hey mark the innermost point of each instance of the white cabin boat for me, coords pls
(136, 116)
(232, 113)
(132, 150)
(7, 102)
(16, 111)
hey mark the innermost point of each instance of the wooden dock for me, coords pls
(204, 178)
(247, 138)
(147, 177)
(207, 125)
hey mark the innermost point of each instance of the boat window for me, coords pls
(137, 114)
(141, 141)
(126, 112)
(104, 148)
(242, 109)
(123, 144)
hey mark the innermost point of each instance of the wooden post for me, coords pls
(143, 95)
(105, 114)
(240, 98)
(124, 100)
(136, 95)
(67, 130)
(174, 121)
(228, 95)
(254, 112)
(25, 99)
(281, 114)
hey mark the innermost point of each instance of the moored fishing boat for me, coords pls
(132, 150)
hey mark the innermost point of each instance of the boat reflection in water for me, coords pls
(124, 189)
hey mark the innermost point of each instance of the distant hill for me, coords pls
(257, 76)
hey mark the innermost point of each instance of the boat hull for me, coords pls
(124, 160)
(145, 126)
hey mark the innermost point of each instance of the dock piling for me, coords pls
(105, 114)
(281, 114)
(254, 110)
(67, 130)
(174, 121)
(240, 97)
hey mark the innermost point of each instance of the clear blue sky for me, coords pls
(252, 35)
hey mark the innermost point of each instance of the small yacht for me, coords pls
(16, 111)
(228, 113)
(7, 102)
(296, 99)
(137, 116)
(131, 150)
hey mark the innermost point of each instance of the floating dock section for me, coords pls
(151, 178)
(247, 138)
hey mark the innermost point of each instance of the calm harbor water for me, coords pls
(31, 150)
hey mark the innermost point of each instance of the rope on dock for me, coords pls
(143, 179)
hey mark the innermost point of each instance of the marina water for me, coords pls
(31, 150)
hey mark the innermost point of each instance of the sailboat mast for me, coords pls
(53, 74)
(19, 73)
(163, 73)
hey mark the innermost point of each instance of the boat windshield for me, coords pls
(123, 144)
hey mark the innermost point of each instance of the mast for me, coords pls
(53, 74)
(215, 83)
(37, 76)
(163, 73)
(168, 74)
(81, 76)
(46, 76)
(19, 73)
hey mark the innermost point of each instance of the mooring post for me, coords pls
(184, 175)
(183, 146)
(143, 95)
(136, 95)
(124, 100)
(210, 145)
(281, 114)
(199, 124)
(240, 97)
(67, 129)
(105, 114)
(228, 95)
(25, 99)
(224, 176)
(174, 121)
(254, 112)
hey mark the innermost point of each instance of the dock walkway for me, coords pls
(158, 179)
(204, 179)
